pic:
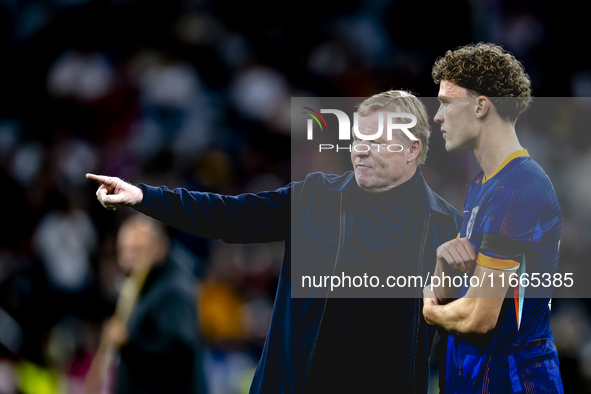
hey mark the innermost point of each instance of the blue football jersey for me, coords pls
(513, 220)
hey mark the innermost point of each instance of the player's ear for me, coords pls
(482, 107)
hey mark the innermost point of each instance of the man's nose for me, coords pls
(439, 116)
(361, 148)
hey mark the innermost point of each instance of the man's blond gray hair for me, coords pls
(402, 101)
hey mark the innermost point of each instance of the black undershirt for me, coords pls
(359, 346)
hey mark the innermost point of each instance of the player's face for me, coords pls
(378, 169)
(456, 117)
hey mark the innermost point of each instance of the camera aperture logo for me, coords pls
(345, 130)
(316, 119)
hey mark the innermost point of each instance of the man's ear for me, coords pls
(482, 107)
(413, 151)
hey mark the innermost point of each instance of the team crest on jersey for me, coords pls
(471, 222)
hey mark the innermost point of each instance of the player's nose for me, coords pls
(439, 116)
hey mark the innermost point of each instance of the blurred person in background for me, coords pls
(159, 348)
(345, 345)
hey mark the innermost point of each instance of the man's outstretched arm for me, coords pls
(246, 218)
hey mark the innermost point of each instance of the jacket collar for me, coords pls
(428, 198)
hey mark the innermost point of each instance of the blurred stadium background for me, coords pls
(196, 94)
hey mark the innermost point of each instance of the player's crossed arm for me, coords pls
(478, 310)
(458, 254)
(113, 191)
(453, 258)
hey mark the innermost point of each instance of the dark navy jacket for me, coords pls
(162, 354)
(309, 216)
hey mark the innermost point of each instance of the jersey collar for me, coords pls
(514, 155)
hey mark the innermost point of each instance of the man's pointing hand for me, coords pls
(113, 190)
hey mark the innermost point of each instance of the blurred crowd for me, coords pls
(196, 94)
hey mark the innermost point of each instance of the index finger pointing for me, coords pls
(105, 180)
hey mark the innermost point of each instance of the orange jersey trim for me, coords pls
(491, 262)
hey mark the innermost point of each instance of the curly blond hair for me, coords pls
(489, 70)
(402, 101)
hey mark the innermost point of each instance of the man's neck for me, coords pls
(495, 144)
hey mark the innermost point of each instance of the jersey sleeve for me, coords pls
(509, 225)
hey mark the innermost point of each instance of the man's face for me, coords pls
(135, 246)
(456, 117)
(378, 169)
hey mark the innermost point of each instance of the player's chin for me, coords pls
(450, 147)
(458, 146)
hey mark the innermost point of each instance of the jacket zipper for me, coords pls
(341, 236)
(418, 312)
